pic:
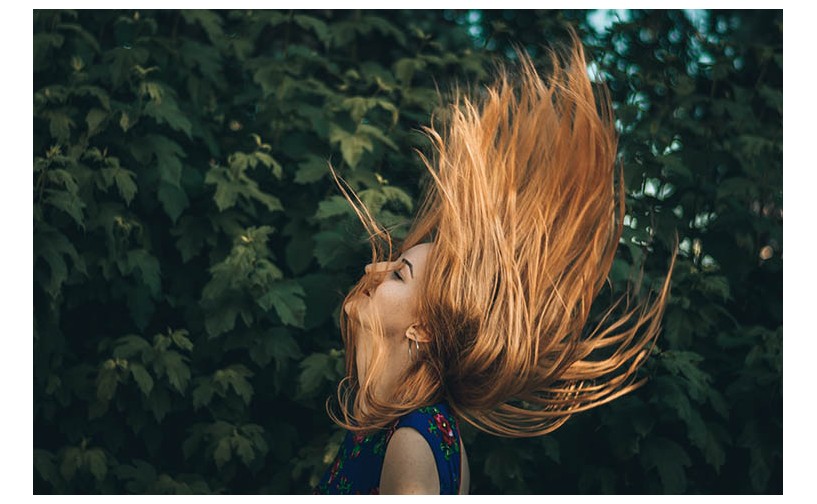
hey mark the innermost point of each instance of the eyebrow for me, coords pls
(411, 267)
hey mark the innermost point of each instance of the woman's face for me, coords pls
(394, 303)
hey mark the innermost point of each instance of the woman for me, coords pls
(483, 317)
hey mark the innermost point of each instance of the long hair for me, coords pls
(524, 209)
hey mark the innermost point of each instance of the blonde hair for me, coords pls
(525, 215)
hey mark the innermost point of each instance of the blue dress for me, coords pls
(357, 467)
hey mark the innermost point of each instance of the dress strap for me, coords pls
(440, 430)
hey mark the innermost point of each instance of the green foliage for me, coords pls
(191, 249)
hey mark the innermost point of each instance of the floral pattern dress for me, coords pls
(357, 467)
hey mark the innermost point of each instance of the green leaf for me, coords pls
(685, 364)
(311, 170)
(357, 107)
(670, 391)
(718, 403)
(669, 459)
(125, 183)
(94, 120)
(389, 107)
(222, 453)
(58, 176)
(716, 284)
(203, 393)
(372, 131)
(277, 345)
(71, 461)
(178, 373)
(159, 403)
(51, 245)
(227, 190)
(45, 467)
(320, 28)
(106, 382)
(393, 193)
(122, 60)
(333, 206)
(69, 203)
(220, 319)
(60, 125)
(678, 327)
(230, 186)
(270, 162)
(191, 235)
(352, 146)
(142, 378)
(130, 345)
(148, 267)
(235, 377)
(255, 433)
(752, 440)
(243, 449)
(80, 34)
(43, 42)
(208, 20)
(181, 340)
(174, 199)
(97, 463)
(315, 369)
(168, 156)
(387, 29)
(125, 121)
(97, 92)
(164, 109)
(404, 69)
(206, 57)
(140, 476)
(711, 447)
(329, 247)
(287, 298)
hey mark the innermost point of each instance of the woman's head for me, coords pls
(384, 331)
(389, 304)
(524, 215)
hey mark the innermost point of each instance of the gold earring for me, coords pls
(411, 357)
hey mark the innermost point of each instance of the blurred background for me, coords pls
(191, 250)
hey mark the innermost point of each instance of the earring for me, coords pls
(416, 346)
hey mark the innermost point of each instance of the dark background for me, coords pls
(191, 250)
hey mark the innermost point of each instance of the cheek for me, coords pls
(395, 305)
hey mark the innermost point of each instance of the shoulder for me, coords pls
(409, 466)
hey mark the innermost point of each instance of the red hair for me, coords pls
(525, 215)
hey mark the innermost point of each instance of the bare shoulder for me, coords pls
(409, 466)
(465, 483)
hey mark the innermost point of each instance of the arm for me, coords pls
(409, 466)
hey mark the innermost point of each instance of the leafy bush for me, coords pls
(191, 250)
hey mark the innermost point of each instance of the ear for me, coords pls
(417, 332)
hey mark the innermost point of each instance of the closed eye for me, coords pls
(396, 274)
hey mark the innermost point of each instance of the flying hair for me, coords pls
(524, 211)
